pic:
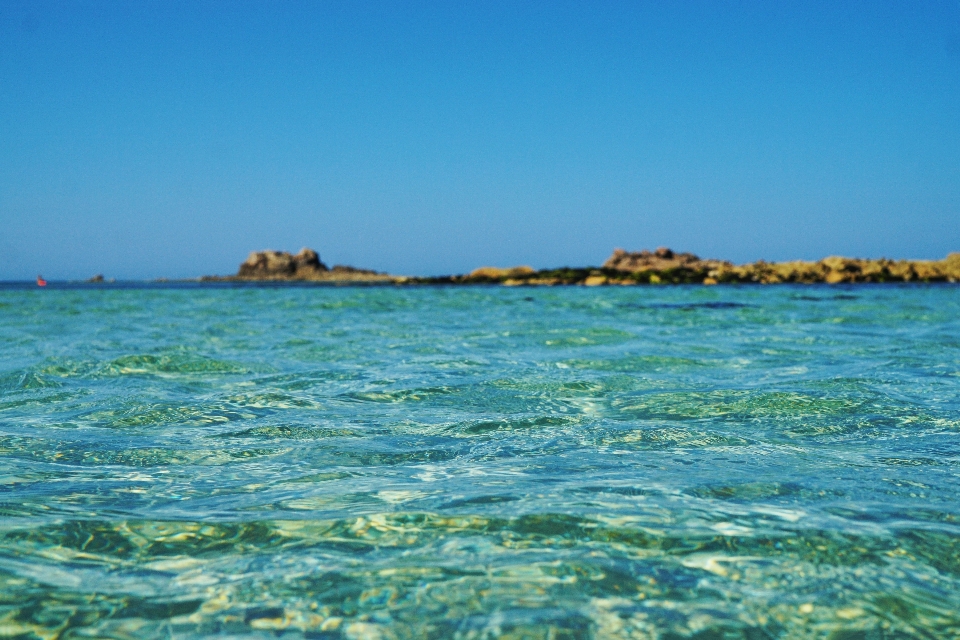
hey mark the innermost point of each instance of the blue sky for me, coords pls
(148, 139)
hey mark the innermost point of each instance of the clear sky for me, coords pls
(146, 139)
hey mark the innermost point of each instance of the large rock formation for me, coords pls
(306, 265)
(273, 265)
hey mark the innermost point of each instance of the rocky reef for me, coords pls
(665, 266)
(662, 266)
(837, 269)
(303, 266)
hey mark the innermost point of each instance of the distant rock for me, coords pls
(343, 269)
(96, 278)
(838, 270)
(664, 265)
(660, 260)
(498, 274)
(660, 267)
(305, 265)
(273, 265)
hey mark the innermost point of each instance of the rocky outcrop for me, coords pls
(280, 265)
(838, 269)
(496, 274)
(664, 266)
(303, 266)
(663, 259)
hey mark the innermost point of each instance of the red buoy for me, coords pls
(41, 282)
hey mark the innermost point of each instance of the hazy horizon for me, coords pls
(172, 139)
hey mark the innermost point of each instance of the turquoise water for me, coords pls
(629, 462)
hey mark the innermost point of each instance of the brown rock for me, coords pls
(951, 267)
(303, 266)
(496, 273)
(839, 264)
(268, 265)
(344, 269)
(660, 260)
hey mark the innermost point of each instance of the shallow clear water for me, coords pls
(634, 462)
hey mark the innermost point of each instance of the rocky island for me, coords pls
(662, 266)
(303, 266)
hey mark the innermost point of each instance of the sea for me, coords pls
(476, 462)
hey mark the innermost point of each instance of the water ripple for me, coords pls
(702, 462)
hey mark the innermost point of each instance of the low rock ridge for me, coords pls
(664, 266)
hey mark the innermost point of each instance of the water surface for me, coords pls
(480, 462)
